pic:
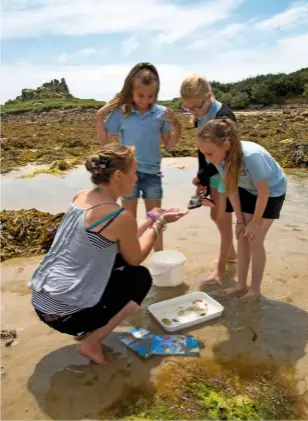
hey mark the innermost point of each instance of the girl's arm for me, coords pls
(103, 135)
(263, 195)
(236, 204)
(170, 139)
(253, 226)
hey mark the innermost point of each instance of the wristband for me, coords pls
(156, 231)
(152, 216)
(162, 223)
(240, 223)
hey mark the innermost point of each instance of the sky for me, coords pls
(94, 43)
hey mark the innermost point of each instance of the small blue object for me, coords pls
(145, 344)
(174, 345)
(139, 340)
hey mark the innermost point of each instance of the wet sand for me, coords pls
(43, 377)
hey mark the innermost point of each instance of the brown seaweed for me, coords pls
(27, 232)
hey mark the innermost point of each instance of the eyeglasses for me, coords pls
(195, 108)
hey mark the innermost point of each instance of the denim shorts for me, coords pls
(148, 186)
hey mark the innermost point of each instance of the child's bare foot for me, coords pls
(232, 257)
(236, 290)
(93, 352)
(216, 277)
(250, 295)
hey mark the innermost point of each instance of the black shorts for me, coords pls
(229, 208)
(127, 283)
(273, 207)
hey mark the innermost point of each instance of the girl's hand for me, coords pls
(173, 215)
(108, 107)
(200, 190)
(207, 202)
(204, 200)
(196, 181)
(171, 117)
(239, 229)
(251, 230)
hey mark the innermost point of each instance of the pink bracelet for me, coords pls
(152, 216)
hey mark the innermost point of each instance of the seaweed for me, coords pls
(27, 232)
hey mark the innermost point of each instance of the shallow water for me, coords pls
(52, 381)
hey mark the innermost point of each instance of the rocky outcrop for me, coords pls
(52, 89)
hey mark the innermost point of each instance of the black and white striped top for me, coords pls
(49, 305)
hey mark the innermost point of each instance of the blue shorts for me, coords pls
(148, 186)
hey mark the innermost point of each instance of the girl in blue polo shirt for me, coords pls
(256, 186)
(141, 123)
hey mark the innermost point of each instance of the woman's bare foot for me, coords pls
(236, 290)
(93, 352)
(216, 277)
(250, 296)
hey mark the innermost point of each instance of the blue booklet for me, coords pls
(174, 345)
(145, 344)
(139, 340)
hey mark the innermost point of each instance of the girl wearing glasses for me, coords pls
(141, 123)
(198, 99)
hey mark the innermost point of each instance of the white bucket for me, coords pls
(168, 268)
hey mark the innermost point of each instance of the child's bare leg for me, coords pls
(258, 260)
(149, 205)
(243, 262)
(227, 251)
(226, 239)
(91, 346)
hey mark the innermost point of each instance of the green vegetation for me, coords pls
(207, 389)
(48, 104)
(259, 90)
(264, 89)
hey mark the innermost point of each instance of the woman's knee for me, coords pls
(144, 275)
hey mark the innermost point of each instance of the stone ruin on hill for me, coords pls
(52, 89)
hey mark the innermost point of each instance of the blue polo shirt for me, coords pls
(143, 131)
(259, 165)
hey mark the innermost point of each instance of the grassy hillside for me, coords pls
(261, 90)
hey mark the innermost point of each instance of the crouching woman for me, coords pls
(91, 278)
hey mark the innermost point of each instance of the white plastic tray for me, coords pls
(185, 311)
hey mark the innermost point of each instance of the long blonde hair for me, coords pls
(196, 86)
(219, 131)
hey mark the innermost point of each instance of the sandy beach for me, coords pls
(43, 377)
